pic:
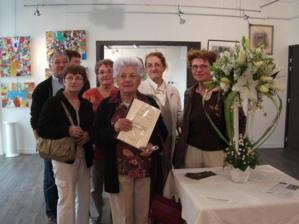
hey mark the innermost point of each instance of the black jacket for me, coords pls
(54, 124)
(40, 95)
(105, 136)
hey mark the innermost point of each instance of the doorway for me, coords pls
(175, 53)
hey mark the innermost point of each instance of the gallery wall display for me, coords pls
(16, 95)
(220, 46)
(69, 39)
(15, 56)
(261, 35)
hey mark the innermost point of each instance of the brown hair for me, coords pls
(72, 54)
(107, 62)
(157, 54)
(202, 54)
(75, 69)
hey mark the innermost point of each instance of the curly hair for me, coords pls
(201, 54)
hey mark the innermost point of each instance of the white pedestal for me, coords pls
(10, 146)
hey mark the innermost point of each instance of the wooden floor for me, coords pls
(21, 195)
(21, 178)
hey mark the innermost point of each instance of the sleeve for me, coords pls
(104, 133)
(179, 111)
(160, 131)
(50, 124)
(36, 106)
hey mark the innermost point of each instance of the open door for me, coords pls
(292, 116)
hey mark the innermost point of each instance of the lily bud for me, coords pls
(266, 78)
(263, 88)
(225, 80)
(242, 58)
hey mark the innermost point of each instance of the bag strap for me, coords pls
(67, 113)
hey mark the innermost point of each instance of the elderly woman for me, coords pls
(127, 169)
(103, 70)
(72, 177)
(168, 99)
(199, 144)
(166, 96)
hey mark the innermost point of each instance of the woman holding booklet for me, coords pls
(129, 171)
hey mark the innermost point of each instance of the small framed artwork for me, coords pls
(219, 46)
(261, 35)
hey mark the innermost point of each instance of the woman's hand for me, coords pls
(82, 139)
(123, 124)
(147, 150)
(75, 131)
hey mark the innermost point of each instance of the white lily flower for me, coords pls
(246, 86)
(258, 64)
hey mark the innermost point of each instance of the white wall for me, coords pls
(122, 23)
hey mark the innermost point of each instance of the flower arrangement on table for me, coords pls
(245, 77)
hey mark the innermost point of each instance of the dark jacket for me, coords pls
(181, 147)
(40, 95)
(54, 124)
(105, 136)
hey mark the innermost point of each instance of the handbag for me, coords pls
(63, 149)
(166, 211)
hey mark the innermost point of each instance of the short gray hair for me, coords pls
(57, 54)
(128, 61)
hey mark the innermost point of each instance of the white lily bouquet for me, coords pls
(245, 77)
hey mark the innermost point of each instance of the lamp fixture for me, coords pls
(181, 14)
(37, 12)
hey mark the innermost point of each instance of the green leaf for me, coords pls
(228, 114)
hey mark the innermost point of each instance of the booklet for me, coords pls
(283, 189)
(144, 118)
(200, 175)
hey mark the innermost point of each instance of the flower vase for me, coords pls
(240, 176)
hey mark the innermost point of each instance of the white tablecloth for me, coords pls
(218, 200)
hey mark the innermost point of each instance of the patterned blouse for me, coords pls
(129, 160)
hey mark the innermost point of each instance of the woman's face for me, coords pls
(200, 70)
(104, 75)
(128, 80)
(73, 82)
(154, 68)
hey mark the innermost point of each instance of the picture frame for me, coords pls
(261, 35)
(219, 46)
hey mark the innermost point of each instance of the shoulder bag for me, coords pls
(63, 149)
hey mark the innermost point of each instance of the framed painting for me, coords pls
(15, 56)
(261, 35)
(16, 95)
(68, 39)
(219, 46)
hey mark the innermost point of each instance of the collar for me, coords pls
(55, 78)
(162, 87)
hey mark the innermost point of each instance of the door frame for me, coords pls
(189, 44)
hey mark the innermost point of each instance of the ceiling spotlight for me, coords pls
(36, 12)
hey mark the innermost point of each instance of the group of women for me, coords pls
(131, 176)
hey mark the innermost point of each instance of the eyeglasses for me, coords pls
(57, 62)
(153, 65)
(202, 67)
(109, 72)
(127, 76)
(76, 79)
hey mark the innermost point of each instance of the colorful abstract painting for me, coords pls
(15, 56)
(61, 40)
(14, 95)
